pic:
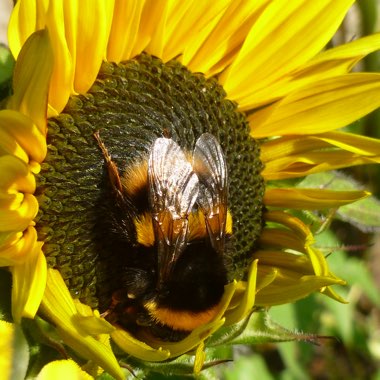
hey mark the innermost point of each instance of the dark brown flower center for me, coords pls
(131, 104)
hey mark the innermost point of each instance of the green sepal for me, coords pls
(181, 366)
(258, 328)
(44, 345)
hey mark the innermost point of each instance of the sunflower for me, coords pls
(254, 74)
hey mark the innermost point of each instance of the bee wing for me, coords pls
(210, 166)
(173, 190)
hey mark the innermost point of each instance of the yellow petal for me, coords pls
(294, 224)
(319, 107)
(310, 199)
(18, 219)
(298, 146)
(341, 59)
(291, 222)
(27, 17)
(313, 162)
(294, 274)
(281, 238)
(86, 51)
(15, 175)
(224, 41)
(288, 289)
(290, 146)
(123, 35)
(194, 339)
(265, 278)
(248, 301)
(8, 239)
(89, 321)
(361, 145)
(189, 23)
(10, 201)
(329, 292)
(9, 145)
(299, 264)
(200, 357)
(58, 306)
(16, 252)
(138, 348)
(152, 26)
(6, 348)
(62, 79)
(63, 370)
(29, 280)
(25, 133)
(32, 78)
(72, 41)
(296, 156)
(14, 350)
(286, 36)
(327, 64)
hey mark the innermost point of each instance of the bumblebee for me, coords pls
(172, 212)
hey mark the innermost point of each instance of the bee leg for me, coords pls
(113, 172)
(114, 309)
(166, 133)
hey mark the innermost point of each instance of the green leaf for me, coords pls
(331, 180)
(363, 214)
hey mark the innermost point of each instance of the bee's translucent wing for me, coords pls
(210, 166)
(173, 190)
